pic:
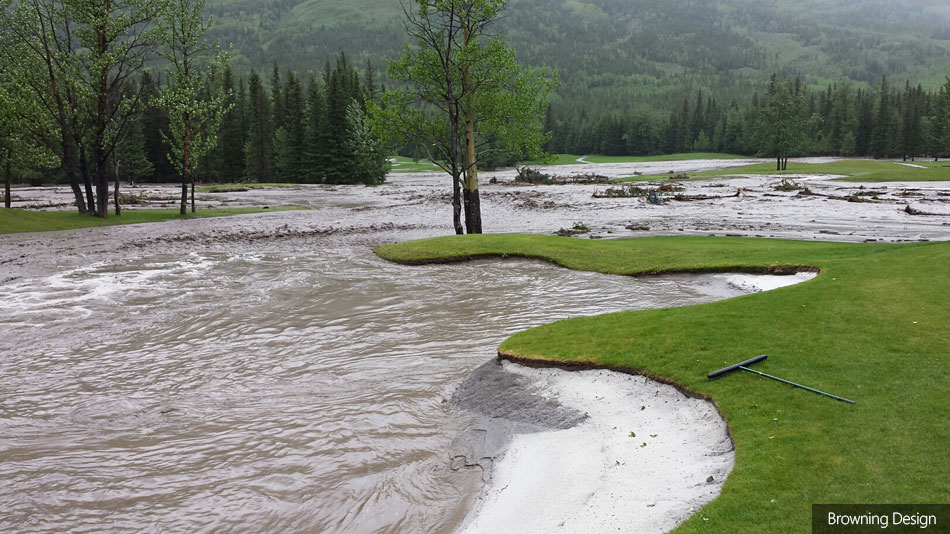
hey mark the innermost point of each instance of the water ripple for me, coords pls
(262, 392)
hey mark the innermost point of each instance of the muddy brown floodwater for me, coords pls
(268, 373)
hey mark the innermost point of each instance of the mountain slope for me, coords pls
(626, 53)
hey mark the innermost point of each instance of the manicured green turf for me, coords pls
(15, 220)
(402, 164)
(224, 188)
(854, 170)
(871, 327)
(665, 157)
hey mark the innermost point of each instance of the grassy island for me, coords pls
(16, 220)
(871, 327)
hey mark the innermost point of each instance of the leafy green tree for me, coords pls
(462, 85)
(19, 152)
(195, 108)
(39, 51)
(115, 38)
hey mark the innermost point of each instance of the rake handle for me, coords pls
(782, 380)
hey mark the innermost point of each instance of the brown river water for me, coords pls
(270, 374)
(264, 392)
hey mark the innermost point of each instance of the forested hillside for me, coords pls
(629, 53)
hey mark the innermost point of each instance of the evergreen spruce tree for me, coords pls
(155, 129)
(294, 126)
(883, 131)
(699, 119)
(684, 142)
(369, 82)
(259, 147)
(370, 160)
(865, 123)
(342, 88)
(277, 101)
(131, 159)
(315, 132)
(911, 122)
(940, 135)
(230, 150)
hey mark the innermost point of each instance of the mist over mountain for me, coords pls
(628, 53)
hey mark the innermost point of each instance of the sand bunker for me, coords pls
(643, 458)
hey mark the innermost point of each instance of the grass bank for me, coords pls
(16, 220)
(871, 327)
(853, 170)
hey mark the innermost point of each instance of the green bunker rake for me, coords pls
(745, 367)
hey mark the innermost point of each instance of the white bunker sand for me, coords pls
(597, 476)
(640, 462)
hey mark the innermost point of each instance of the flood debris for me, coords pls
(913, 211)
(624, 191)
(530, 204)
(579, 228)
(529, 176)
(636, 191)
(861, 197)
(788, 186)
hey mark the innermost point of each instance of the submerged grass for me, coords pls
(853, 170)
(16, 220)
(871, 327)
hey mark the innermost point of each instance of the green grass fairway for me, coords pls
(665, 157)
(871, 327)
(14, 220)
(854, 170)
(571, 159)
(402, 164)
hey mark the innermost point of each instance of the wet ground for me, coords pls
(269, 373)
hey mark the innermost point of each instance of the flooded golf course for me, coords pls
(269, 373)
